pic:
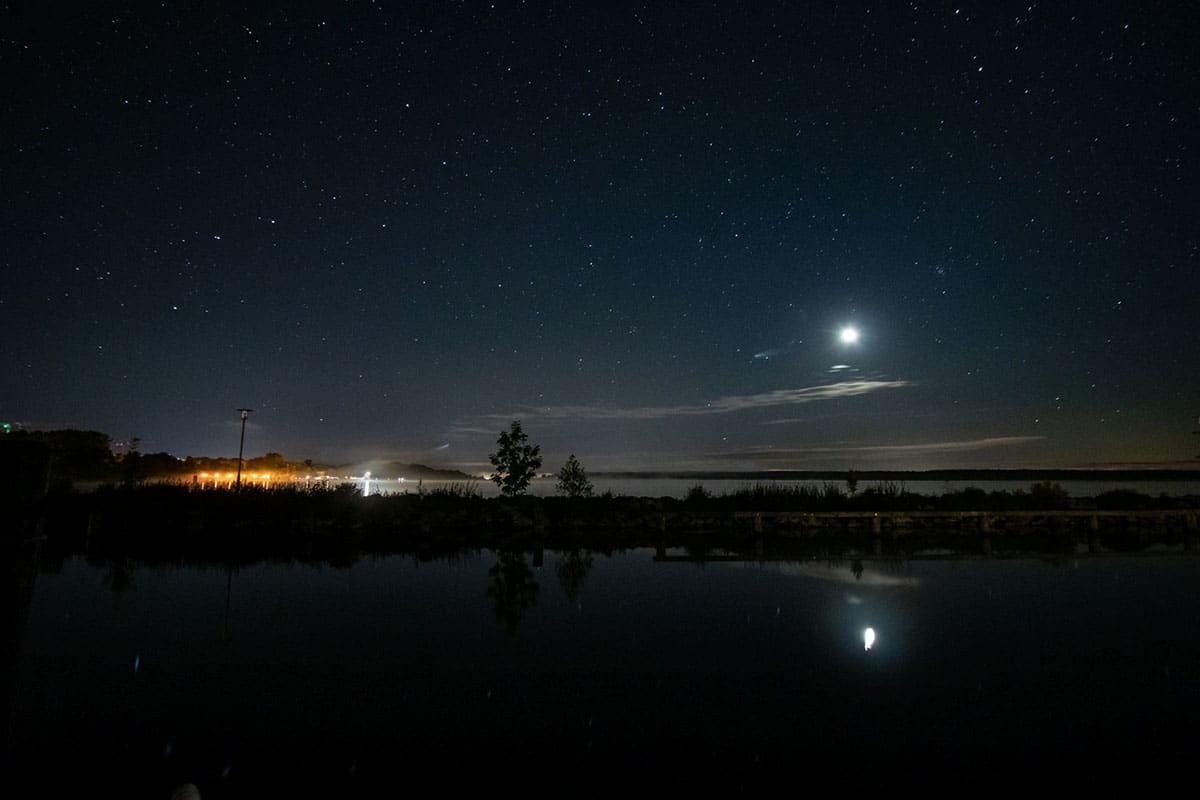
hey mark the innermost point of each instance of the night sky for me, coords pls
(390, 228)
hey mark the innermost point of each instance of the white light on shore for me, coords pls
(868, 638)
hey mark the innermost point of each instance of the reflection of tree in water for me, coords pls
(512, 588)
(857, 568)
(572, 568)
(18, 572)
(118, 576)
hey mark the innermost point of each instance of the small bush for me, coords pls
(1048, 495)
(697, 496)
(1123, 500)
(467, 490)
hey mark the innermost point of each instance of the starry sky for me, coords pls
(391, 228)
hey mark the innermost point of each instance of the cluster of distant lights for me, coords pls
(230, 475)
(267, 476)
(219, 476)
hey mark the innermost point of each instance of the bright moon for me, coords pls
(848, 335)
(868, 638)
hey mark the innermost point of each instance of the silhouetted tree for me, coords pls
(132, 472)
(271, 461)
(573, 480)
(74, 453)
(515, 460)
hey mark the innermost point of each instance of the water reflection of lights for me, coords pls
(868, 638)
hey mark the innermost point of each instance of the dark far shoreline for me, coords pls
(1016, 475)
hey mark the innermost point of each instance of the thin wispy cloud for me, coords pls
(944, 447)
(472, 430)
(919, 448)
(722, 405)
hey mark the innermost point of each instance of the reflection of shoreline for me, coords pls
(17, 577)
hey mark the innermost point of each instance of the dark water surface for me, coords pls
(293, 679)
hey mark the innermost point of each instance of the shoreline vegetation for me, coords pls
(182, 524)
(180, 518)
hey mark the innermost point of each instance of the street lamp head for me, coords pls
(242, 445)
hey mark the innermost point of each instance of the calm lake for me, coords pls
(297, 679)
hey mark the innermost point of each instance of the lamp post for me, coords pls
(245, 412)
